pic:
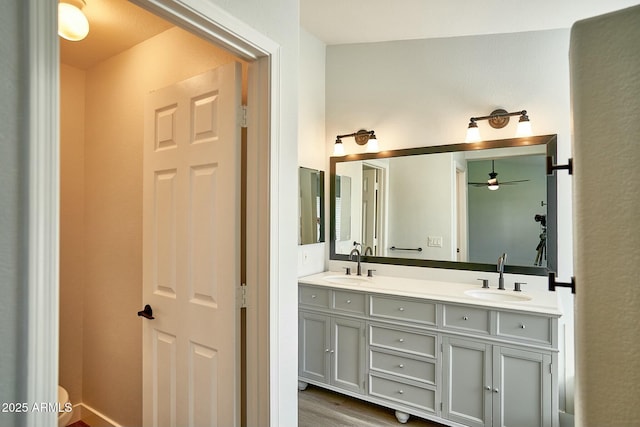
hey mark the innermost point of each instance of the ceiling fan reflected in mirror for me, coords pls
(492, 183)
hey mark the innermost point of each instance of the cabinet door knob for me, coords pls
(331, 352)
(401, 391)
(348, 301)
(326, 350)
(401, 366)
(465, 317)
(401, 340)
(401, 308)
(522, 325)
(487, 387)
(313, 296)
(495, 390)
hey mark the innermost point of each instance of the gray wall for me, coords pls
(12, 203)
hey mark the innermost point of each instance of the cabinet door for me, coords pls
(314, 346)
(467, 395)
(348, 354)
(522, 388)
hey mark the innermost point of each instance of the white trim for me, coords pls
(43, 252)
(203, 18)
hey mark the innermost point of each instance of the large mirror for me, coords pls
(454, 206)
(310, 206)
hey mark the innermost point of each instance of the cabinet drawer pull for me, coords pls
(401, 366)
(522, 325)
(465, 317)
(401, 309)
(326, 350)
(313, 296)
(348, 301)
(401, 340)
(401, 391)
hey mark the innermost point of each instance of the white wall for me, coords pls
(311, 138)
(423, 92)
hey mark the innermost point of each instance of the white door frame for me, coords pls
(215, 24)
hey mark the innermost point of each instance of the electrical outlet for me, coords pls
(434, 241)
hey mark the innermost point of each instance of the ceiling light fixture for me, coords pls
(498, 119)
(72, 24)
(362, 137)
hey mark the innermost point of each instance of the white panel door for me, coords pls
(191, 251)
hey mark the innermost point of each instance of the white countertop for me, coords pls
(539, 302)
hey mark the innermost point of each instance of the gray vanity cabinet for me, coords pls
(496, 386)
(331, 346)
(454, 363)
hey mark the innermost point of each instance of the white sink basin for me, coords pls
(346, 280)
(491, 295)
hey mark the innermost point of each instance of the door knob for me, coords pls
(147, 313)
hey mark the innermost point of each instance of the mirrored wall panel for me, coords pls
(311, 206)
(452, 206)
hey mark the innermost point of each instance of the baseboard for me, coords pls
(91, 417)
(566, 419)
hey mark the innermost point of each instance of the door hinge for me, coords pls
(242, 295)
(242, 116)
(551, 368)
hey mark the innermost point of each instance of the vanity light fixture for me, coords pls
(72, 23)
(362, 137)
(498, 119)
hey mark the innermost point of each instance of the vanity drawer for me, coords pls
(423, 345)
(352, 302)
(403, 309)
(525, 326)
(408, 394)
(419, 370)
(472, 319)
(314, 296)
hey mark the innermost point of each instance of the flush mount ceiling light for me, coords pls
(362, 137)
(498, 119)
(72, 24)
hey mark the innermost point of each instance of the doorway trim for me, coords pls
(43, 254)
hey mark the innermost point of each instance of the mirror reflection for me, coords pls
(463, 204)
(311, 206)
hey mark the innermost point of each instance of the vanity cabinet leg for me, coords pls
(302, 385)
(402, 417)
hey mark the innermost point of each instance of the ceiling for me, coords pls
(117, 25)
(114, 26)
(360, 21)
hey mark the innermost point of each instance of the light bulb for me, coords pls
(338, 148)
(493, 184)
(372, 145)
(72, 24)
(524, 127)
(473, 133)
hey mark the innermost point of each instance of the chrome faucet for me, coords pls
(501, 261)
(356, 252)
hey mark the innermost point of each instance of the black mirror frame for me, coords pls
(552, 235)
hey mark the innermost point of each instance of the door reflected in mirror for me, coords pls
(457, 206)
(311, 206)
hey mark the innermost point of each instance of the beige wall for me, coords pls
(111, 356)
(606, 205)
(72, 127)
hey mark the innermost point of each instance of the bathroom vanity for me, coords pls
(453, 353)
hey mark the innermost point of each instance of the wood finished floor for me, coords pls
(318, 407)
